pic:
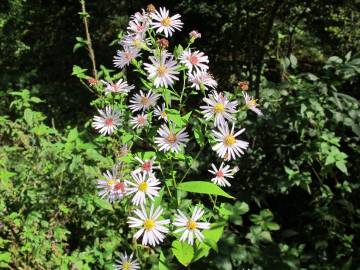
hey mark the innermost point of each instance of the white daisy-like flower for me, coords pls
(160, 112)
(151, 228)
(196, 60)
(227, 146)
(170, 140)
(136, 41)
(123, 58)
(219, 107)
(111, 187)
(139, 22)
(165, 24)
(121, 86)
(126, 262)
(107, 122)
(221, 174)
(146, 166)
(162, 69)
(190, 227)
(139, 120)
(144, 185)
(143, 101)
(251, 104)
(202, 78)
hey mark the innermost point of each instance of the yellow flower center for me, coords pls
(166, 21)
(171, 138)
(111, 182)
(136, 43)
(251, 103)
(191, 225)
(229, 140)
(219, 108)
(143, 186)
(149, 224)
(144, 100)
(161, 70)
(163, 114)
(126, 266)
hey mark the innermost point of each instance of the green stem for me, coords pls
(188, 169)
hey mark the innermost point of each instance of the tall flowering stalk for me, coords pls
(163, 119)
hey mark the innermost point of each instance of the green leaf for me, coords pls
(212, 236)
(183, 252)
(293, 61)
(126, 138)
(272, 226)
(79, 72)
(175, 117)
(211, 243)
(266, 236)
(103, 204)
(241, 208)
(5, 257)
(204, 188)
(186, 117)
(341, 166)
(28, 116)
(162, 262)
(77, 46)
(199, 136)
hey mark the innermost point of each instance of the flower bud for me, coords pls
(194, 34)
(92, 81)
(243, 85)
(163, 42)
(150, 8)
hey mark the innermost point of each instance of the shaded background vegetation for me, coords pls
(302, 169)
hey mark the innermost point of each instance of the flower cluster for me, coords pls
(157, 108)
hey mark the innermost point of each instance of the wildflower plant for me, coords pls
(159, 113)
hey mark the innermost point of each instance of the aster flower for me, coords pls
(135, 41)
(195, 60)
(202, 78)
(110, 187)
(123, 58)
(139, 120)
(144, 185)
(170, 140)
(139, 22)
(227, 145)
(219, 107)
(142, 101)
(190, 227)
(221, 174)
(150, 227)
(160, 112)
(126, 262)
(165, 24)
(146, 166)
(251, 104)
(107, 122)
(194, 34)
(162, 69)
(121, 86)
